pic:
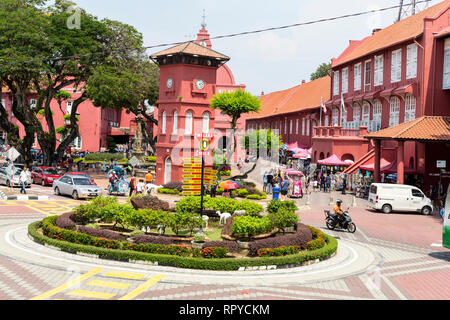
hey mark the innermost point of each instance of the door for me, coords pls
(417, 200)
(403, 199)
(168, 171)
(2, 176)
(38, 176)
(63, 185)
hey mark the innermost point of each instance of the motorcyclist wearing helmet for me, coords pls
(338, 211)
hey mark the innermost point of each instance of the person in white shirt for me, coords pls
(23, 179)
(140, 186)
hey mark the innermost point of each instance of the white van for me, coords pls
(398, 197)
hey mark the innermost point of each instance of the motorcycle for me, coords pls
(332, 221)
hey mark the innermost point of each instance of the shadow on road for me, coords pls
(441, 255)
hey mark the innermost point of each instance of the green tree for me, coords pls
(35, 46)
(261, 140)
(235, 104)
(322, 71)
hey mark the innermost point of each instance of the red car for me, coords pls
(82, 174)
(45, 175)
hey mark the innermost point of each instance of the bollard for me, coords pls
(331, 201)
(354, 205)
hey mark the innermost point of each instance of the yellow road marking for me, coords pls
(38, 210)
(69, 284)
(133, 294)
(109, 284)
(125, 275)
(91, 294)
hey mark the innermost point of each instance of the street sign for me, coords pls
(441, 164)
(192, 160)
(209, 171)
(199, 171)
(191, 193)
(134, 161)
(12, 154)
(192, 187)
(205, 143)
(192, 165)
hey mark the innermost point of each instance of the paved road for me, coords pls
(395, 256)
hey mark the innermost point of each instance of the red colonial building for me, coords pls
(294, 112)
(396, 75)
(96, 124)
(190, 75)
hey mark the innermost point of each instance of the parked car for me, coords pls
(398, 197)
(5, 177)
(77, 186)
(82, 174)
(45, 175)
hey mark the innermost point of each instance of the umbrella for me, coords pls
(229, 185)
(294, 172)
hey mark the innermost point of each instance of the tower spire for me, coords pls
(204, 20)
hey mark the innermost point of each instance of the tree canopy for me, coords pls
(40, 55)
(322, 71)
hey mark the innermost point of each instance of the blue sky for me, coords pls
(267, 62)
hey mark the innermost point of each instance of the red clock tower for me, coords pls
(188, 74)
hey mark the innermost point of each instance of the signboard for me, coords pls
(209, 171)
(192, 165)
(192, 171)
(134, 161)
(192, 160)
(191, 193)
(12, 154)
(441, 164)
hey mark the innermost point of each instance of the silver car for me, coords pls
(5, 177)
(79, 187)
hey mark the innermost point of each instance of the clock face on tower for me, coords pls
(169, 83)
(200, 84)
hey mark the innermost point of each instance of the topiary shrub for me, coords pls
(152, 239)
(174, 185)
(214, 253)
(300, 239)
(278, 252)
(232, 246)
(283, 218)
(249, 226)
(101, 233)
(274, 206)
(168, 191)
(316, 244)
(65, 222)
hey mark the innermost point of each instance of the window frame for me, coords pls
(411, 61)
(378, 70)
(357, 76)
(336, 78)
(396, 66)
(345, 80)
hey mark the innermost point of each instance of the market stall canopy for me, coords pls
(294, 146)
(302, 154)
(386, 167)
(371, 165)
(333, 161)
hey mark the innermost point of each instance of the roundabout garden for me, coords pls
(229, 235)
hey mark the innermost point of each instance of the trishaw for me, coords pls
(296, 177)
(120, 186)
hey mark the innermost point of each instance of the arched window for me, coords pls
(410, 108)
(175, 122)
(344, 123)
(356, 115)
(376, 123)
(335, 117)
(188, 123)
(167, 170)
(164, 121)
(394, 111)
(206, 122)
(365, 115)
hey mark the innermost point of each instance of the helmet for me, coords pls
(339, 201)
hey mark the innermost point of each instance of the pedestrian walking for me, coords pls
(284, 187)
(132, 186)
(344, 185)
(23, 179)
(328, 183)
(265, 182)
(270, 182)
(104, 166)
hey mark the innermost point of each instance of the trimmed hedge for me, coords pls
(184, 262)
(301, 238)
(277, 252)
(152, 239)
(232, 246)
(168, 191)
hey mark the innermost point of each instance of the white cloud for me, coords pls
(270, 47)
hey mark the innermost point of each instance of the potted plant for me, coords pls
(198, 241)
